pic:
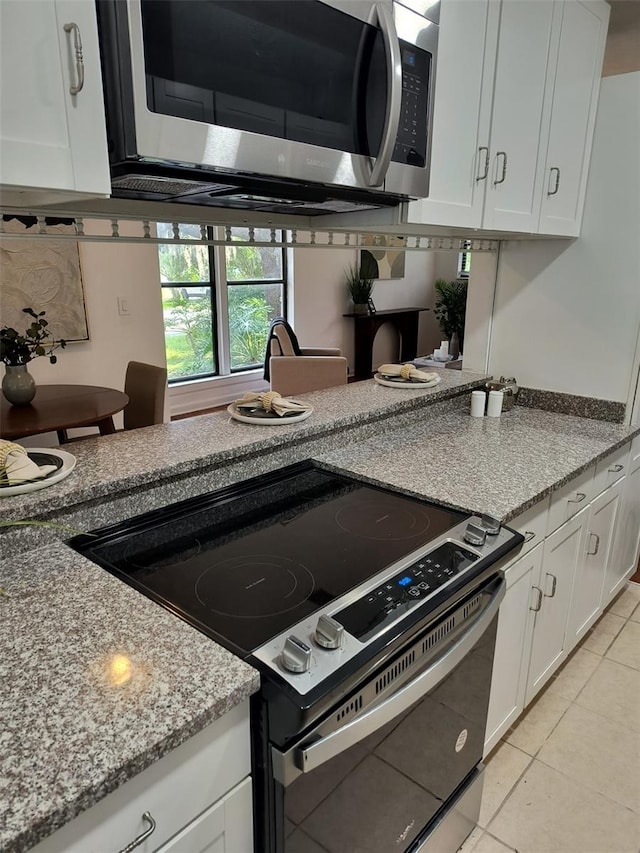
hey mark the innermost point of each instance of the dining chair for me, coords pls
(146, 386)
(292, 369)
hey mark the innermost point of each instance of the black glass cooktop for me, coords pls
(245, 563)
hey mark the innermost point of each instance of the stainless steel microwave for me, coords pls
(275, 105)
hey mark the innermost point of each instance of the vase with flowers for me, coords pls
(359, 287)
(18, 349)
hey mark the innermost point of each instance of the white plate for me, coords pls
(267, 418)
(405, 383)
(68, 463)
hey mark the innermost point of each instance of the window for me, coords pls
(198, 316)
(464, 264)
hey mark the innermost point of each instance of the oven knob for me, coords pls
(474, 534)
(329, 633)
(296, 655)
(490, 524)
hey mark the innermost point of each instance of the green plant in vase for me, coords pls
(359, 288)
(450, 311)
(18, 349)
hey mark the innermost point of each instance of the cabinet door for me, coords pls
(226, 827)
(514, 189)
(513, 642)
(627, 537)
(467, 40)
(52, 140)
(563, 552)
(582, 39)
(588, 581)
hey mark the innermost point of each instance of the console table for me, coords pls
(405, 320)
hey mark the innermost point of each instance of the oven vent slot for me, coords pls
(351, 708)
(471, 606)
(439, 634)
(394, 671)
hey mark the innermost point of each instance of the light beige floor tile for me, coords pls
(489, 844)
(603, 633)
(502, 771)
(613, 691)
(550, 813)
(472, 840)
(596, 754)
(531, 731)
(635, 616)
(626, 603)
(626, 647)
(574, 674)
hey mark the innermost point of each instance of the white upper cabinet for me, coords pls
(52, 126)
(582, 36)
(516, 95)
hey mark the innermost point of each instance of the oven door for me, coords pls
(404, 773)
(300, 90)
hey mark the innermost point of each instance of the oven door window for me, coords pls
(381, 793)
(300, 71)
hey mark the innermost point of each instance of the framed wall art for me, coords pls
(383, 257)
(43, 274)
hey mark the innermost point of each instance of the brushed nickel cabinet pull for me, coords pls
(554, 581)
(500, 180)
(616, 469)
(540, 594)
(486, 162)
(580, 496)
(143, 837)
(77, 46)
(557, 183)
(597, 538)
(529, 535)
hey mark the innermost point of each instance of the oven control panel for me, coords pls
(318, 646)
(363, 618)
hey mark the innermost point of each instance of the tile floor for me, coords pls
(566, 777)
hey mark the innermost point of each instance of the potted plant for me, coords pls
(17, 350)
(359, 287)
(450, 310)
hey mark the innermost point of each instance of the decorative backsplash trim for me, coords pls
(572, 404)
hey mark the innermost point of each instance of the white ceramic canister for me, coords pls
(478, 401)
(494, 406)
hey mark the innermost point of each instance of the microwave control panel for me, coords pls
(411, 142)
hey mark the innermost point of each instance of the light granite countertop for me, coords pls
(65, 619)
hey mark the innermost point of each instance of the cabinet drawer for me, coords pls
(610, 469)
(532, 524)
(570, 499)
(634, 455)
(174, 790)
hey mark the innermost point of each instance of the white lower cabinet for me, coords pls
(626, 549)
(562, 555)
(586, 597)
(513, 641)
(198, 796)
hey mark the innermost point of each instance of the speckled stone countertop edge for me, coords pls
(91, 795)
(265, 441)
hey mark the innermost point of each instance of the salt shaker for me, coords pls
(494, 406)
(478, 400)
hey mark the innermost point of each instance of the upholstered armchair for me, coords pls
(291, 369)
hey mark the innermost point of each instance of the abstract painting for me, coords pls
(45, 275)
(385, 257)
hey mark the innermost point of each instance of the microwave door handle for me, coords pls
(380, 165)
(289, 765)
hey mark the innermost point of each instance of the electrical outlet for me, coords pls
(123, 306)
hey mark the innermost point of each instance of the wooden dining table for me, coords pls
(56, 408)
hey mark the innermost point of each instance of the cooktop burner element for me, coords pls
(383, 520)
(251, 562)
(254, 587)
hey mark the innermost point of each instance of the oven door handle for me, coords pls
(394, 93)
(287, 766)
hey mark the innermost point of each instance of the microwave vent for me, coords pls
(164, 186)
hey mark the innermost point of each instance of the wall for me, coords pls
(622, 53)
(567, 313)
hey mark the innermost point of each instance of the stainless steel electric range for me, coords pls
(371, 617)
